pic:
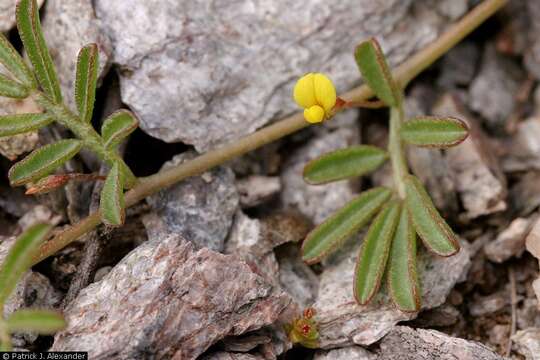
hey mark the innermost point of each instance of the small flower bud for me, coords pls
(317, 95)
(314, 114)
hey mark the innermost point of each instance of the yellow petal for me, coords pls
(325, 92)
(314, 114)
(304, 92)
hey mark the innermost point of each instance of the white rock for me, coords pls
(205, 73)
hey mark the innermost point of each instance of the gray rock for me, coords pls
(452, 9)
(342, 322)
(200, 208)
(532, 244)
(404, 343)
(524, 196)
(490, 304)
(532, 53)
(476, 170)
(68, 25)
(346, 353)
(510, 242)
(527, 315)
(317, 202)
(7, 14)
(255, 240)
(249, 239)
(458, 66)
(203, 79)
(489, 92)
(165, 300)
(523, 150)
(222, 355)
(256, 189)
(38, 214)
(296, 277)
(444, 315)
(527, 343)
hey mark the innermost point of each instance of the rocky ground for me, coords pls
(210, 267)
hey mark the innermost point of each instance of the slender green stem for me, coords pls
(395, 149)
(85, 132)
(289, 125)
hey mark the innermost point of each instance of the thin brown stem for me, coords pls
(152, 184)
(368, 104)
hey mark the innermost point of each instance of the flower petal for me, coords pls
(304, 91)
(314, 114)
(325, 92)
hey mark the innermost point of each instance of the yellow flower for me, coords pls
(317, 95)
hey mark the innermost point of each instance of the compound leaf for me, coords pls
(112, 198)
(14, 63)
(432, 131)
(43, 322)
(375, 71)
(31, 34)
(435, 233)
(86, 81)
(43, 161)
(21, 123)
(344, 163)
(12, 89)
(117, 127)
(343, 224)
(19, 258)
(374, 253)
(401, 274)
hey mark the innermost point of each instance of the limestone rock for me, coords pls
(346, 353)
(167, 299)
(200, 208)
(68, 25)
(405, 343)
(490, 91)
(510, 242)
(203, 79)
(7, 14)
(527, 342)
(342, 322)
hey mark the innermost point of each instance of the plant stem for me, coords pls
(285, 127)
(85, 132)
(395, 149)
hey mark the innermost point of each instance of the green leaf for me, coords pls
(19, 258)
(432, 131)
(435, 233)
(86, 81)
(43, 322)
(343, 224)
(31, 35)
(43, 161)
(21, 123)
(14, 63)
(376, 73)
(112, 198)
(402, 278)
(344, 163)
(12, 89)
(374, 253)
(117, 127)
